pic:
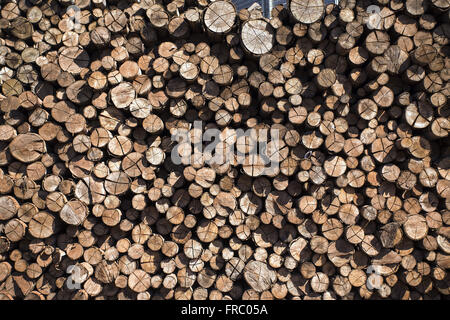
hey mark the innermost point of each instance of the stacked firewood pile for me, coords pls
(93, 205)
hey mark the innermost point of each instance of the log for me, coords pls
(219, 17)
(258, 275)
(42, 225)
(257, 36)
(336, 119)
(307, 12)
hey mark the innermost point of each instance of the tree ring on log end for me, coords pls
(257, 36)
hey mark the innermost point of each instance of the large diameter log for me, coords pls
(257, 36)
(354, 202)
(21, 28)
(219, 17)
(9, 207)
(258, 275)
(73, 59)
(74, 212)
(42, 225)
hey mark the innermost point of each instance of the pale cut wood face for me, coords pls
(257, 36)
(307, 11)
(220, 16)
